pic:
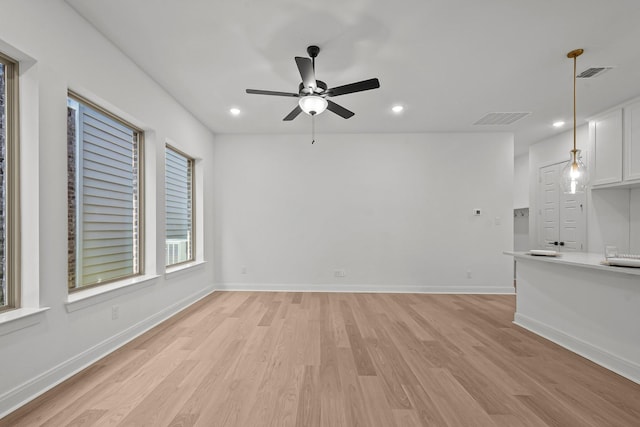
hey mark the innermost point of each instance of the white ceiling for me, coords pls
(449, 62)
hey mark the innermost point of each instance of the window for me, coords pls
(179, 206)
(9, 214)
(104, 196)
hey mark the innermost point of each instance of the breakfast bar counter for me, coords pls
(582, 305)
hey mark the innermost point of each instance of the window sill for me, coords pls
(86, 298)
(174, 271)
(20, 318)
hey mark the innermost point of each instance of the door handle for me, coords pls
(555, 243)
(561, 243)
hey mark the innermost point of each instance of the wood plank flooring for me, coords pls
(326, 359)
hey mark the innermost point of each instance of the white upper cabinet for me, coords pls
(615, 144)
(605, 133)
(632, 142)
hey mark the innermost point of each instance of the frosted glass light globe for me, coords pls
(313, 104)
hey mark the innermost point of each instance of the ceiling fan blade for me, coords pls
(305, 66)
(339, 110)
(270, 92)
(354, 87)
(293, 114)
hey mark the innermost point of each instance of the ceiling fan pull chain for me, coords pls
(313, 129)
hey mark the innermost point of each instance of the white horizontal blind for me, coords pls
(9, 185)
(179, 207)
(3, 192)
(108, 213)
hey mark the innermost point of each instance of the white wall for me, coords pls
(634, 212)
(609, 220)
(393, 211)
(67, 53)
(521, 230)
(521, 203)
(521, 182)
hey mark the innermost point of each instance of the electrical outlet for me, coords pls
(243, 270)
(115, 312)
(339, 273)
(468, 274)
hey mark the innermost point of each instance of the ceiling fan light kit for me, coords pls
(574, 177)
(313, 93)
(313, 104)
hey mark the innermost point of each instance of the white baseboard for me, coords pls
(364, 288)
(24, 393)
(595, 354)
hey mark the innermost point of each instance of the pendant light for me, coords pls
(575, 177)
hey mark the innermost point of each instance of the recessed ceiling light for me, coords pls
(234, 111)
(397, 108)
(558, 124)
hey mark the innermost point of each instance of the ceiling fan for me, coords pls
(313, 93)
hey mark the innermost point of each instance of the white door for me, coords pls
(562, 216)
(549, 196)
(572, 221)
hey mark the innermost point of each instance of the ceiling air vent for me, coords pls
(501, 119)
(592, 72)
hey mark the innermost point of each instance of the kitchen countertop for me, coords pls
(576, 259)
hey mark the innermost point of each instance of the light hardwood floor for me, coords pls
(325, 359)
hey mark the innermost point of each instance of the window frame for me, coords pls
(12, 185)
(192, 163)
(139, 243)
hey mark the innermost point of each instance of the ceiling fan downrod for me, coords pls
(313, 52)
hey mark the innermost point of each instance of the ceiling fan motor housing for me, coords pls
(321, 87)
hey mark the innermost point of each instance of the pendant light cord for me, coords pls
(574, 55)
(575, 60)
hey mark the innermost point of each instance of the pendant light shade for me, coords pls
(313, 104)
(575, 177)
